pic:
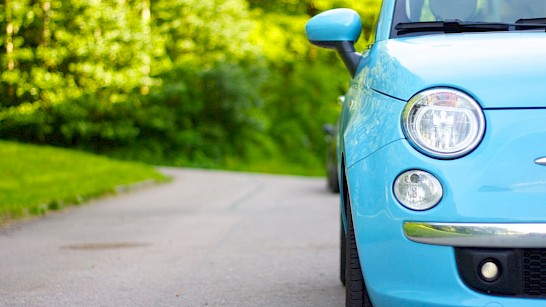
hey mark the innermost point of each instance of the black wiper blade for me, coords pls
(530, 23)
(449, 26)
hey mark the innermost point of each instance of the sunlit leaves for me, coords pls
(185, 80)
(202, 32)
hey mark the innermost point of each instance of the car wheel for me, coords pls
(355, 288)
(342, 249)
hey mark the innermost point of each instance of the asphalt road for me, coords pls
(205, 239)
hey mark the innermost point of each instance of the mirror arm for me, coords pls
(346, 51)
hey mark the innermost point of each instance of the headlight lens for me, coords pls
(443, 123)
(418, 190)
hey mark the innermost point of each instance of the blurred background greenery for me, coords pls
(218, 84)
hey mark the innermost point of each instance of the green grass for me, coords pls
(280, 167)
(37, 179)
(268, 161)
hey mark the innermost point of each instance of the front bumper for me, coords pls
(405, 266)
(492, 235)
(499, 184)
(513, 256)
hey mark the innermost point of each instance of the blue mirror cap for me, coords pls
(337, 25)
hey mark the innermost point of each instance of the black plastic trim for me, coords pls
(469, 261)
(522, 271)
(346, 51)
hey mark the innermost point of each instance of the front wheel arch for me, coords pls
(355, 286)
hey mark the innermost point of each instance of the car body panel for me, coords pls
(383, 27)
(478, 64)
(499, 182)
(399, 272)
(365, 111)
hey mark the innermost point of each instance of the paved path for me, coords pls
(206, 239)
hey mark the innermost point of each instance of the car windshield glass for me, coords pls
(425, 16)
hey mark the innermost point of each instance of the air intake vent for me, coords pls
(534, 272)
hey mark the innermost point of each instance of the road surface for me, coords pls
(206, 239)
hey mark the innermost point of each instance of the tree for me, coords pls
(193, 82)
(310, 79)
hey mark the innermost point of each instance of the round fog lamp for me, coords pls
(489, 271)
(418, 190)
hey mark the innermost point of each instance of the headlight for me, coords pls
(443, 123)
(418, 190)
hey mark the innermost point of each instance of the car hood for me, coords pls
(501, 70)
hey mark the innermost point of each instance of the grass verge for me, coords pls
(37, 179)
(277, 167)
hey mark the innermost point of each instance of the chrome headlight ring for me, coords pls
(443, 123)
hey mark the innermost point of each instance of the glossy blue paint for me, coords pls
(383, 29)
(337, 25)
(371, 112)
(489, 66)
(485, 186)
(498, 182)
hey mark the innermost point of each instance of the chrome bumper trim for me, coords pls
(477, 234)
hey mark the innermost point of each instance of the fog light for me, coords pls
(418, 190)
(489, 271)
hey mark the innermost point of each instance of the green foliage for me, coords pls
(200, 116)
(220, 83)
(61, 50)
(201, 33)
(38, 179)
(304, 82)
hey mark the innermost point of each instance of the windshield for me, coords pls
(477, 11)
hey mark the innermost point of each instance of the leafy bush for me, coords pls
(220, 83)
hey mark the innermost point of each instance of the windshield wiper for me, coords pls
(530, 23)
(541, 21)
(450, 26)
(459, 26)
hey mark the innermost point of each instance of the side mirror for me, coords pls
(337, 29)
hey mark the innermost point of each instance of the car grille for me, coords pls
(534, 272)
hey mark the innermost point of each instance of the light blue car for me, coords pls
(442, 153)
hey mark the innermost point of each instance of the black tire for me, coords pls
(342, 249)
(356, 294)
